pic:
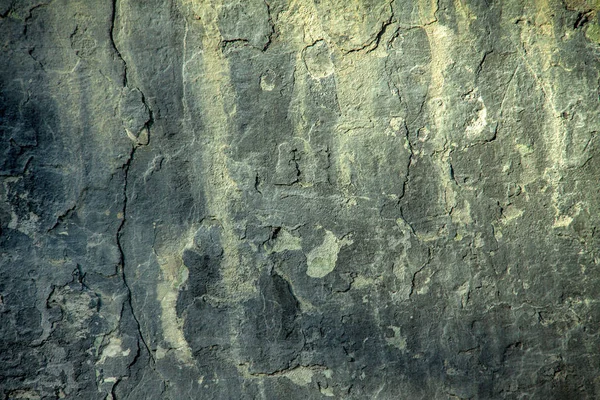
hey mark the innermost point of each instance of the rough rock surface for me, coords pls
(299, 199)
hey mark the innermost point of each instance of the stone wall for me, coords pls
(299, 199)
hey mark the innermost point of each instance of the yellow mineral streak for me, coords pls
(356, 83)
(544, 51)
(301, 376)
(174, 275)
(206, 74)
(538, 49)
(214, 89)
(302, 29)
(442, 41)
(349, 23)
(302, 25)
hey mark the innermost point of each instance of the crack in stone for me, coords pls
(121, 269)
(126, 168)
(483, 58)
(119, 235)
(272, 25)
(414, 277)
(114, 43)
(373, 44)
(29, 13)
(408, 164)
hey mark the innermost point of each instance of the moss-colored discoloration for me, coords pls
(592, 32)
(583, 5)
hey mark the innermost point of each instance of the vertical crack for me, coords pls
(114, 43)
(272, 25)
(295, 159)
(126, 167)
(408, 164)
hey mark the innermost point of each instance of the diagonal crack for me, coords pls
(417, 272)
(29, 14)
(373, 44)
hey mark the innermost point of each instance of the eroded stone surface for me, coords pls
(299, 199)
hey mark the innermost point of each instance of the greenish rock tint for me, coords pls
(363, 199)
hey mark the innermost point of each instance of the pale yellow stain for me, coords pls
(463, 293)
(432, 236)
(113, 349)
(539, 49)
(593, 33)
(511, 213)
(498, 235)
(523, 149)
(361, 282)
(476, 127)
(301, 376)
(349, 25)
(479, 241)
(398, 341)
(286, 241)
(25, 394)
(442, 41)
(322, 259)
(464, 12)
(425, 288)
(28, 225)
(543, 51)
(562, 221)
(427, 10)
(462, 215)
(303, 27)
(317, 59)
(267, 82)
(327, 391)
(300, 24)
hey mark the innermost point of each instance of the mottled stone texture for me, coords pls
(299, 199)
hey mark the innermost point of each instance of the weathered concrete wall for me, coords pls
(270, 199)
